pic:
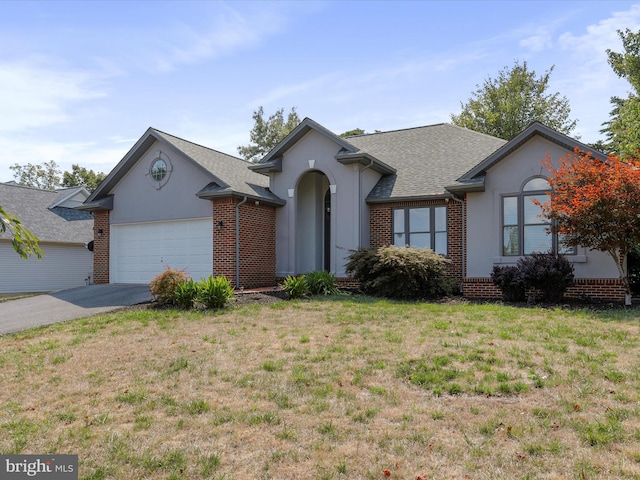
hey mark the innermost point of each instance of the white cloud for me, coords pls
(91, 155)
(36, 94)
(589, 48)
(541, 40)
(227, 32)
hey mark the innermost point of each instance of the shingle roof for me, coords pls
(426, 159)
(225, 174)
(232, 174)
(56, 224)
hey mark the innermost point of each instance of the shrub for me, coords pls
(295, 287)
(214, 292)
(163, 286)
(398, 272)
(186, 294)
(549, 273)
(321, 283)
(508, 279)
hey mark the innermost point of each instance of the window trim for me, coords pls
(432, 226)
(155, 182)
(520, 211)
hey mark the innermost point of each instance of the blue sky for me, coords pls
(80, 82)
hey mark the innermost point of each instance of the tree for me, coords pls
(266, 134)
(623, 128)
(596, 204)
(24, 242)
(352, 133)
(45, 176)
(505, 106)
(81, 177)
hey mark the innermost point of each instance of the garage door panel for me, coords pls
(141, 251)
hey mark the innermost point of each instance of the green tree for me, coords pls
(505, 106)
(81, 177)
(24, 242)
(45, 176)
(351, 133)
(266, 134)
(623, 128)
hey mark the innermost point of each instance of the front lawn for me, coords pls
(329, 389)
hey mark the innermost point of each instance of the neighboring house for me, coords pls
(62, 232)
(316, 196)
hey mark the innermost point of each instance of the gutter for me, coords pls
(238, 240)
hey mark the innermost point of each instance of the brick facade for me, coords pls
(257, 242)
(381, 228)
(603, 289)
(101, 241)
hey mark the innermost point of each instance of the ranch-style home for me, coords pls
(317, 196)
(63, 233)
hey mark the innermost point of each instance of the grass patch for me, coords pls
(344, 387)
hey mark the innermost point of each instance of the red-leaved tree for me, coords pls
(596, 204)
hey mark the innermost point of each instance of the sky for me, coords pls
(81, 81)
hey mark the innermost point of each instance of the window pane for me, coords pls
(536, 239)
(419, 219)
(441, 243)
(565, 249)
(421, 240)
(440, 214)
(510, 242)
(510, 211)
(398, 221)
(536, 184)
(531, 210)
(399, 239)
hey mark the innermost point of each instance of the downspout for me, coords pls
(463, 206)
(238, 240)
(360, 170)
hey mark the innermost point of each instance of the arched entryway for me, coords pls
(313, 223)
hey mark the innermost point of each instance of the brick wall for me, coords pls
(257, 245)
(257, 242)
(224, 238)
(101, 235)
(603, 289)
(381, 226)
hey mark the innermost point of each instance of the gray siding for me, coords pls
(484, 240)
(136, 199)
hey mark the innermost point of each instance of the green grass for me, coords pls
(344, 387)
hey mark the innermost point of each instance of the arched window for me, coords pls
(524, 229)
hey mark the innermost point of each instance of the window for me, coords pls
(158, 169)
(423, 227)
(524, 230)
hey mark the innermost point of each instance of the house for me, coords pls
(317, 196)
(62, 231)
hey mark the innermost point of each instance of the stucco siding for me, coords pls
(484, 235)
(346, 230)
(136, 198)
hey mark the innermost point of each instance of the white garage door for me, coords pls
(141, 251)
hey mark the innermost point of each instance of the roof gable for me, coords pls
(304, 127)
(536, 128)
(70, 197)
(228, 172)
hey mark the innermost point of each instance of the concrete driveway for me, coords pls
(24, 313)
